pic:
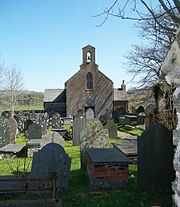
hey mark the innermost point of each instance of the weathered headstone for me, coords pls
(93, 135)
(55, 137)
(11, 130)
(155, 159)
(90, 114)
(112, 128)
(3, 128)
(34, 131)
(52, 159)
(78, 125)
(56, 121)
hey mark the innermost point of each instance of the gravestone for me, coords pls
(55, 137)
(3, 128)
(44, 123)
(78, 125)
(112, 128)
(90, 114)
(52, 159)
(93, 135)
(11, 130)
(155, 159)
(34, 131)
(56, 121)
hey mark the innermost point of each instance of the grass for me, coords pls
(80, 195)
(38, 106)
(21, 139)
(134, 131)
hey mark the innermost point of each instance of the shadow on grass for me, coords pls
(79, 194)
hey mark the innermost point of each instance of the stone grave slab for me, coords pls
(129, 148)
(20, 150)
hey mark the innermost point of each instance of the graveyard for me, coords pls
(79, 191)
(91, 151)
(83, 127)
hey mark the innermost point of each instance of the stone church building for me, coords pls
(88, 88)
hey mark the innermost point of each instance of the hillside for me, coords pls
(26, 100)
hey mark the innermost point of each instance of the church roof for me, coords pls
(120, 95)
(51, 94)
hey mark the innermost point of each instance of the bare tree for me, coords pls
(145, 62)
(13, 86)
(140, 10)
(158, 23)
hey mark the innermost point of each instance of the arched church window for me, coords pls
(89, 57)
(89, 80)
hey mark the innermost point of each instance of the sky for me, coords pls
(44, 38)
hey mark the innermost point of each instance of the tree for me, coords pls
(13, 85)
(158, 24)
(140, 10)
(145, 62)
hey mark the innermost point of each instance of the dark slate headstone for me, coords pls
(52, 159)
(155, 159)
(34, 131)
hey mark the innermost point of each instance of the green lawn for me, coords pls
(79, 194)
(134, 131)
(38, 106)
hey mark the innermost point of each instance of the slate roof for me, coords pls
(109, 155)
(120, 95)
(51, 94)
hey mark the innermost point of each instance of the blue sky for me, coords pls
(43, 38)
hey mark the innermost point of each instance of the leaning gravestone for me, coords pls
(52, 159)
(55, 137)
(155, 159)
(11, 130)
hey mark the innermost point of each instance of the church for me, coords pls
(88, 88)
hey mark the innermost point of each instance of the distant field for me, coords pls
(23, 107)
(26, 100)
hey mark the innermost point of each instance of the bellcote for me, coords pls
(88, 53)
